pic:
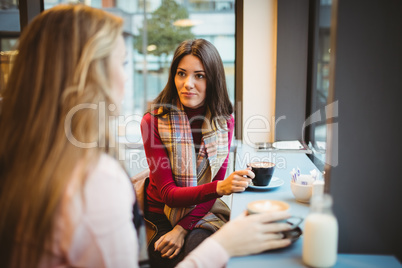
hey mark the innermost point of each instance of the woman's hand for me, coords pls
(253, 234)
(236, 182)
(171, 243)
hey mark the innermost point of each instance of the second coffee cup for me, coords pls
(264, 206)
(263, 172)
(268, 206)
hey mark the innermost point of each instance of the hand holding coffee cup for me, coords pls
(253, 234)
(236, 182)
(263, 172)
(270, 206)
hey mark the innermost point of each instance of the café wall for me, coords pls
(259, 70)
(366, 184)
(291, 74)
(275, 40)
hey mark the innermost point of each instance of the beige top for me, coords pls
(98, 231)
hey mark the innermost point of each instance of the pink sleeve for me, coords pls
(161, 173)
(104, 235)
(209, 254)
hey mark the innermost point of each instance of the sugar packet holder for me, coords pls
(302, 179)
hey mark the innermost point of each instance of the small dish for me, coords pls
(274, 183)
(302, 193)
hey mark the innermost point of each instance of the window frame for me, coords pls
(238, 105)
(311, 103)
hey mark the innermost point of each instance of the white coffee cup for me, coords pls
(267, 206)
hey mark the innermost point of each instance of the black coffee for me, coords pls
(263, 172)
(261, 165)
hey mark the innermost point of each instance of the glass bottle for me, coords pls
(320, 242)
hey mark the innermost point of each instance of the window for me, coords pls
(148, 60)
(9, 32)
(9, 18)
(152, 30)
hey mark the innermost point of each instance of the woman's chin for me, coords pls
(192, 104)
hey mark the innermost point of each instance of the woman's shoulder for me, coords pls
(107, 194)
(230, 123)
(149, 116)
(108, 188)
(226, 123)
(108, 176)
(101, 217)
(149, 123)
(108, 165)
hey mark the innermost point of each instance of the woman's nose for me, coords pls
(189, 83)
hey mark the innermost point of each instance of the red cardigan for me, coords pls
(162, 188)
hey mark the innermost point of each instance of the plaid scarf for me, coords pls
(188, 169)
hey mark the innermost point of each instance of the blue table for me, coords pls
(291, 256)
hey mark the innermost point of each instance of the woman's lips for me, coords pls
(188, 94)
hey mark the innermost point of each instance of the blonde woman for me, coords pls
(64, 202)
(53, 150)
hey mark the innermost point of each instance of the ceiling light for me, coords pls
(186, 23)
(151, 47)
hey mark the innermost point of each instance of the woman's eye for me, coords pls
(200, 76)
(181, 73)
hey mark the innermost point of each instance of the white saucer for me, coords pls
(274, 183)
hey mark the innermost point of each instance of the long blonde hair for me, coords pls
(62, 64)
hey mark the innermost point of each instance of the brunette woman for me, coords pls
(187, 137)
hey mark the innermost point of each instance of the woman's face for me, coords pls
(191, 82)
(118, 75)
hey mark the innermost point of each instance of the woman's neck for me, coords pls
(196, 118)
(194, 112)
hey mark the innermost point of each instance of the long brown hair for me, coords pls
(217, 97)
(62, 66)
